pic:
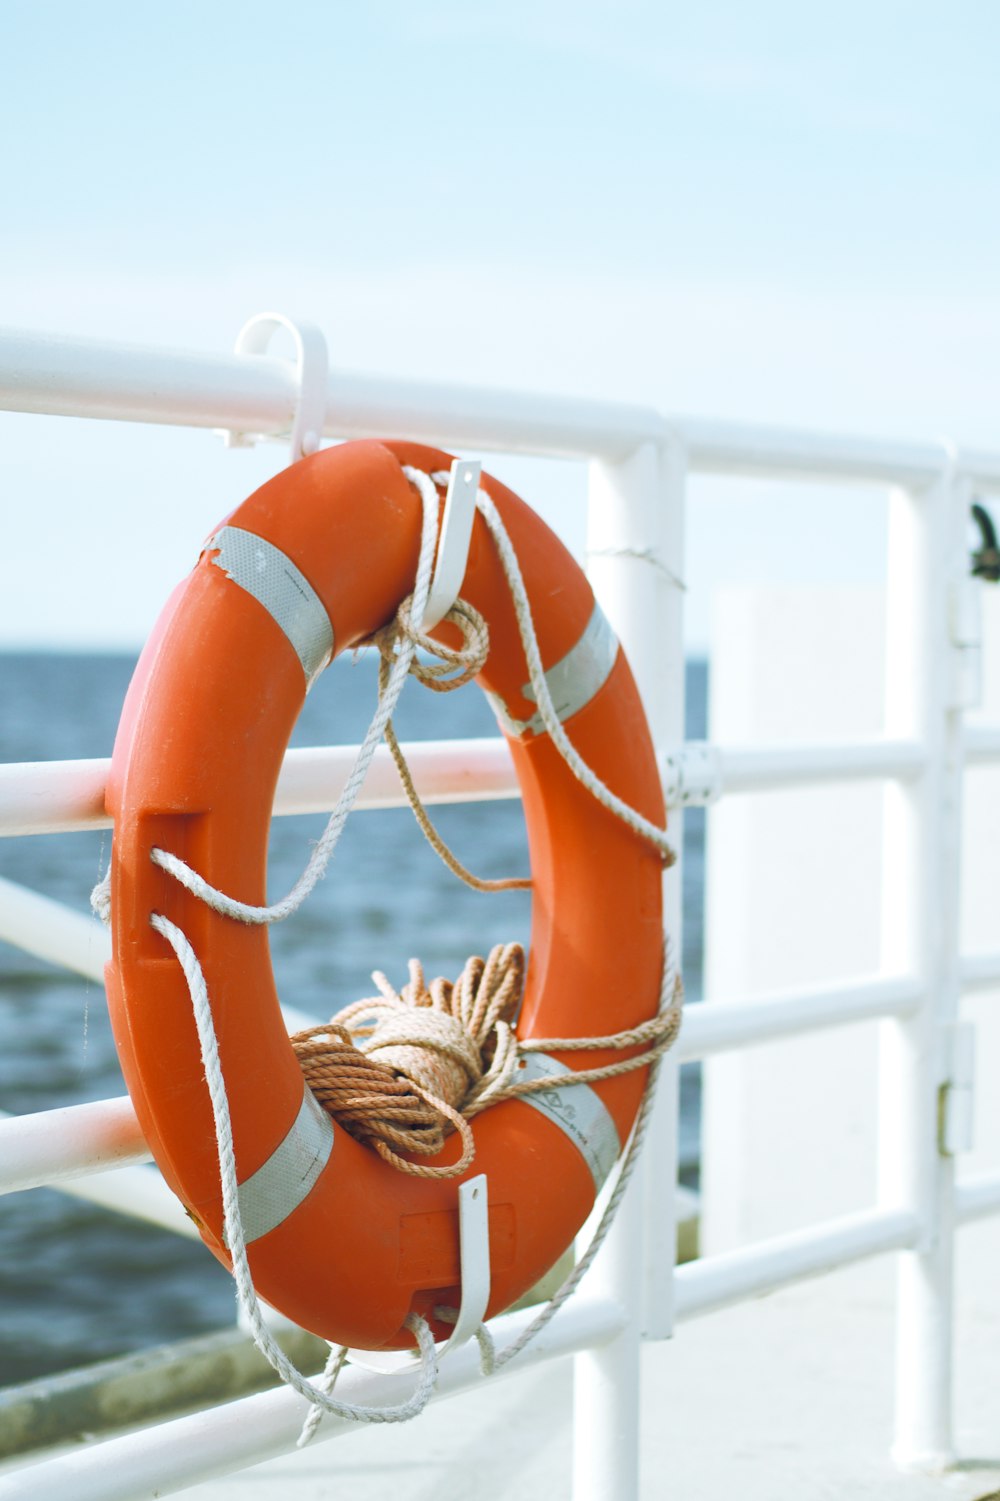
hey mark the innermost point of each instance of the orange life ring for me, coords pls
(338, 1240)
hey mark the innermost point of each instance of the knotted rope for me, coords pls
(467, 660)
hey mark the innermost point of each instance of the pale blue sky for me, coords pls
(767, 211)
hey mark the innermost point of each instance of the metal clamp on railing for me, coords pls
(956, 1103)
(692, 775)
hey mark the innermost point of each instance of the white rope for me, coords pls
(640, 555)
(235, 1241)
(245, 912)
(490, 1359)
(335, 1362)
(100, 898)
(543, 698)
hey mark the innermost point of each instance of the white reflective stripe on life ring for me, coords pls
(264, 571)
(572, 681)
(289, 1175)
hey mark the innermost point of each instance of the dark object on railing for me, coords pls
(986, 559)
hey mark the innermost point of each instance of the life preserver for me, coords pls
(311, 564)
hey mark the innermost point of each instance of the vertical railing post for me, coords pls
(921, 873)
(635, 562)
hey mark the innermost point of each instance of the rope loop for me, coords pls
(466, 661)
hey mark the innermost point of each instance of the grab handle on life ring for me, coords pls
(474, 1255)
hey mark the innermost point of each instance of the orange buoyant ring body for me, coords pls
(312, 564)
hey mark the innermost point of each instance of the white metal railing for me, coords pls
(638, 463)
(74, 377)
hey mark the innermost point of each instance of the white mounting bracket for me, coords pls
(312, 374)
(474, 1257)
(453, 541)
(956, 1099)
(692, 775)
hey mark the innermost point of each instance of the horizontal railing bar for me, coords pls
(979, 971)
(138, 1192)
(720, 1026)
(74, 377)
(488, 419)
(716, 1281)
(173, 1456)
(759, 768)
(52, 797)
(52, 931)
(81, 377)
(779, 453)
(981, 743)
(977, 1198)
(709, 1027)
(52, 1146)
(444, 771)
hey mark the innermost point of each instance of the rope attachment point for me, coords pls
(454, 539)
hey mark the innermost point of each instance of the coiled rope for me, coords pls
(399, 1070)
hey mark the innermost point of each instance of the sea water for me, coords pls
(79, 1283)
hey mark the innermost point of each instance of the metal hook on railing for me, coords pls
(312, 376)
(986, 558)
